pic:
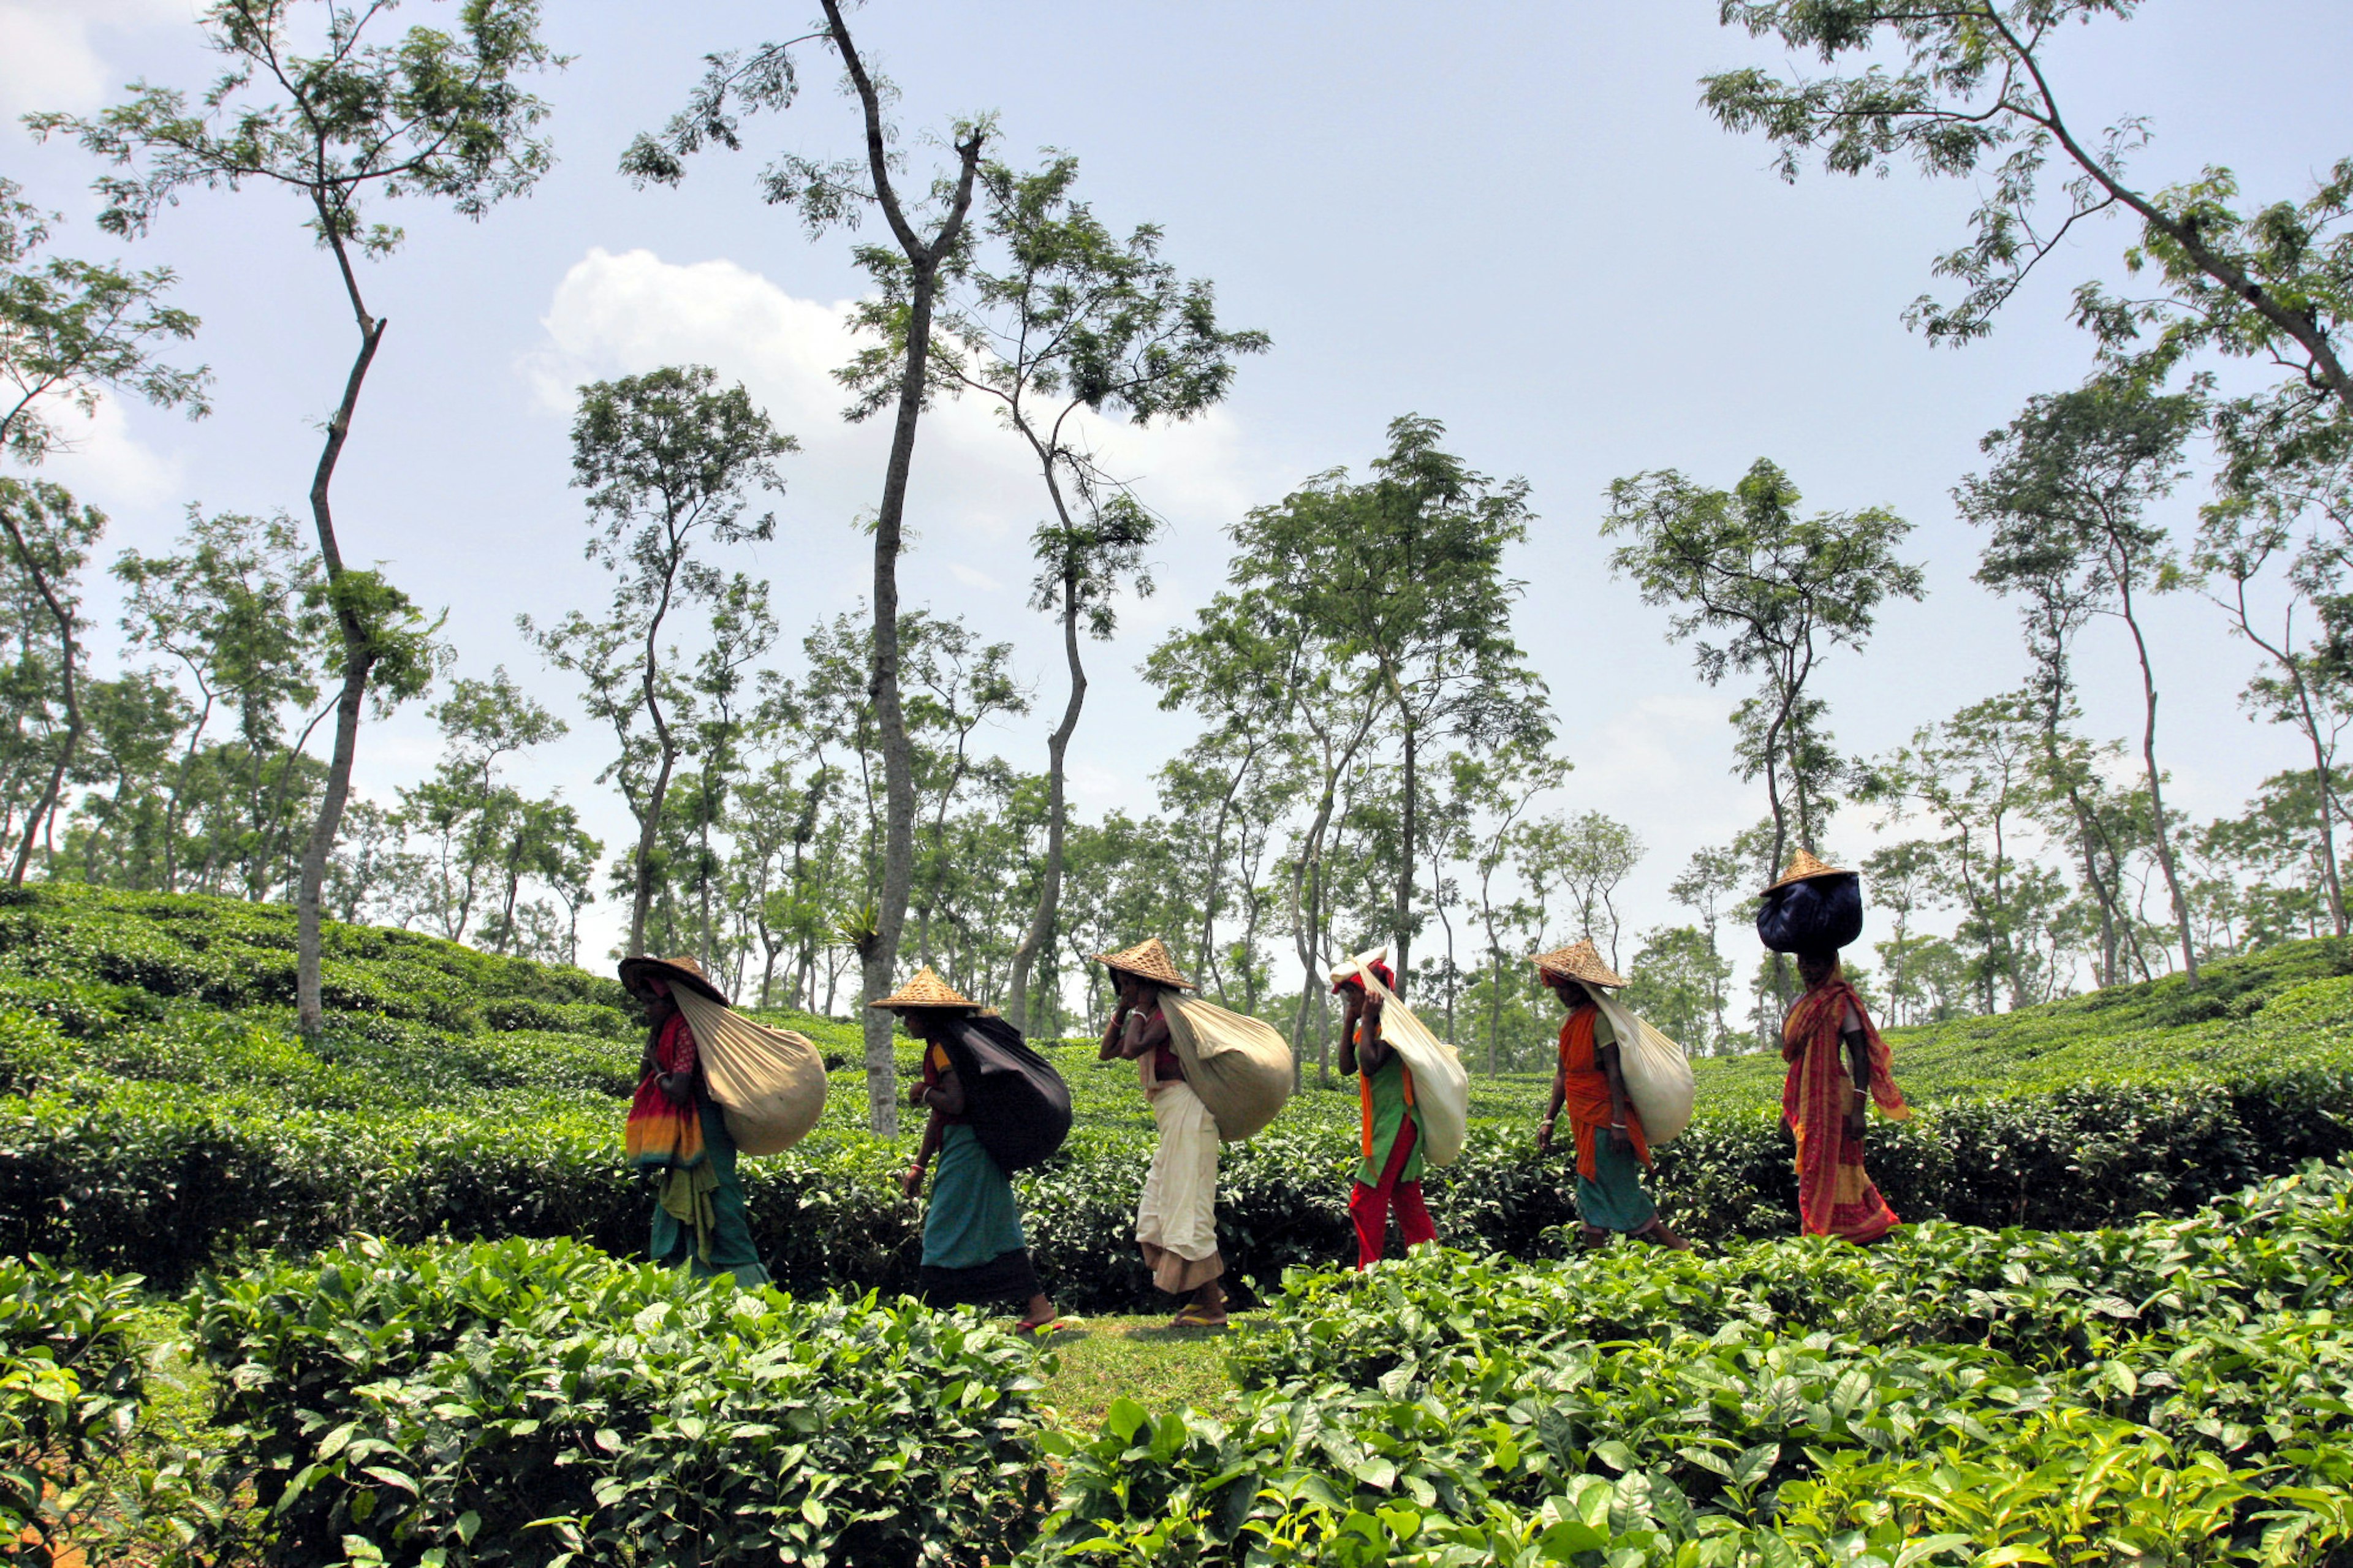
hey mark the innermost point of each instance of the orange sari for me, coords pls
(1836, 1197)
(1585, 1093)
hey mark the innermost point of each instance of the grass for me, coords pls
(1102, 1359)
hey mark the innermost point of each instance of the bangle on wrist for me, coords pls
(1617, 1127)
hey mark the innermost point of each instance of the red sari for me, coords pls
(1836, 1197)
(662, 1134)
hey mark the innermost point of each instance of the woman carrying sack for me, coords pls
(1839, 1067)
(1177, 1218)
(975, 1253)
(1612, 1148)
(1389, 1174)
(676, 1131)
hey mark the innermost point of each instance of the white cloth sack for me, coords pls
(1239, 1065)
(1442, 1089)
(769, 1082)
(1178, 1211)
(1658, 1074)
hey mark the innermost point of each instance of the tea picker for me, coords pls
(712, 1084)
(1625, 1087)
(997, 1106)
(1839, 1065)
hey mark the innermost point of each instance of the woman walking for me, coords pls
(1389, 1174)
(676, 1131)
(1838, 1066)
(1612, 1148)
(975, 1252)
(1177, 1218)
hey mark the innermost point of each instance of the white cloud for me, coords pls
(52, 57)
(971, 578)
(103, 462)
(628, 313)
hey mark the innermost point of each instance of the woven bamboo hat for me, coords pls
(1804, 867)
(677, 971)
(1148, 958)
(1578, 961)
(925, 989)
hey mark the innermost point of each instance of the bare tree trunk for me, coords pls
(2309, 722)
(1401, 920)
(360, 655)
(880, 952)
(1050, 878)
(2155, 790)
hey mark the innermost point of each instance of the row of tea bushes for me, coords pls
(2174, 1393)
(144, 1178)
(542, 1403)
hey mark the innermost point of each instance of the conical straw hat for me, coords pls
(1578, 961)
(925, 989)
(1804, 867)
(1148, 958)
(678, 971)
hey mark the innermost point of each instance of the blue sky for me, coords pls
(1513, 218)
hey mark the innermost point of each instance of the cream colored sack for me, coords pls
(769, 1082)
(1442, 1089)
(1658, 1074)
(1240, 1067)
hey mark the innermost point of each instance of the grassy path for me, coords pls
(1141, 1358)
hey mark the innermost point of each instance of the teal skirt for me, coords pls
(732, 1251)
(973, 1218)
(1612, 1198)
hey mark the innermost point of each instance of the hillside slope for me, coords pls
(2286, 1005)
(161, 1117)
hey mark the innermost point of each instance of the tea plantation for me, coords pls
(372, 1302)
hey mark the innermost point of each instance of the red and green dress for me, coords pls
(698, 1221)
(1389, 1173)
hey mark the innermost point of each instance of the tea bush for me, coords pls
(540, 1402)
(72, 1383)
(2173, 1392)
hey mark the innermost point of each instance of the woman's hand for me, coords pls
(1544, 1135)
(1619, 1139)
(919, 1096)
(911, 1181)
(677, 1088)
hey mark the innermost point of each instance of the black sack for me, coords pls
(1820, 914)
(1016, 1103)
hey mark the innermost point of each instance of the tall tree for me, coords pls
(1592, 853)
(1236, 671)
(1500, 787)
(1784, 591)
(2067, 496)
(244, 610)
(433, 113)
(1974, 89)
(1975, 777)
(2308, 686)
(1405, 570)
(1064, 318)
(471, 818)
(70, 330)
(826, 193)
(49, 539)
(665, 457)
